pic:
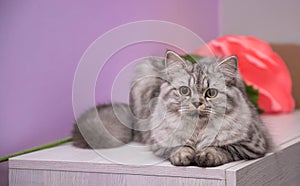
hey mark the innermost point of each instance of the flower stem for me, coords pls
(53, 144)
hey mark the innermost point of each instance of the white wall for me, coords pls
(275, 21)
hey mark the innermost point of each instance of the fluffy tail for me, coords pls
(110, 131)
(105, 126)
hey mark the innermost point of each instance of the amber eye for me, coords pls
(211, 93)
(185, 91)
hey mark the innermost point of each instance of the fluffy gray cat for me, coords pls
(189, 113)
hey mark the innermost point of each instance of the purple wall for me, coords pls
(41, 43)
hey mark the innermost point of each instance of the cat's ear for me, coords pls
(172, 58)
(229, 66)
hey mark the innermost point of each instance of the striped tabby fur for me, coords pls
(227, 128)
(186, 129)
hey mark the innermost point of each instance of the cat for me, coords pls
(188, 113)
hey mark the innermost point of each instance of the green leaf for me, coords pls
(250, 90)
(253, 96)
(191, 57)
(53, 144)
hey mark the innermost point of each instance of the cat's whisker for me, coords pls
(226, 117)
(183, 110)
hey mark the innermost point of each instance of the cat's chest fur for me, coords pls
(218, 132)
(171, 130)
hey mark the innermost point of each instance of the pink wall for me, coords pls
(41, 43)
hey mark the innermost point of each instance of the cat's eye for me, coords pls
(211, 93)
(185, 91)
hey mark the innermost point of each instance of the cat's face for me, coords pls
(198, 89)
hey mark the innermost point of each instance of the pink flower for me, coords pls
(259, 66)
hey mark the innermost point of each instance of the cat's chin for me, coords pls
(202, 114)
(196, 113)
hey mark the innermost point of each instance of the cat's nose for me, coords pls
(197, 104)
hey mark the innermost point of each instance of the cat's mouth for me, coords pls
(197, 109)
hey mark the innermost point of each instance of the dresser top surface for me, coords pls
(135, 158)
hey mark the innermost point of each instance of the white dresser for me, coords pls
(133, 164)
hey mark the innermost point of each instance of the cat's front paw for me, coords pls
(182, 156)
(209, 157)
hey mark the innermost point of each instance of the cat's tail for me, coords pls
(105, 126)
